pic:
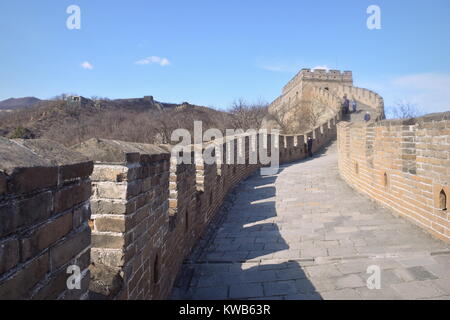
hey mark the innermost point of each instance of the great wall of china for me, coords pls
(127, 215)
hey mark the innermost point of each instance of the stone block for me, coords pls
(77, 170)
(9, 254)
(109, 257)
(111, 190)
(113, 173)
(19, 284)
(34, 210)
(25, 180)
(70, 247)
(107, 241)
(45, 236)
(100, 207)
(110, 224)
(8, 218)
(81, 215)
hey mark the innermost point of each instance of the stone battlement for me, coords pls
(319, 75)
(126, 214)
(303, 90)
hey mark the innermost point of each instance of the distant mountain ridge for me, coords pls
(18, 103)
(74, 119)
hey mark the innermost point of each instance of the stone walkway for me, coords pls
(305, 234)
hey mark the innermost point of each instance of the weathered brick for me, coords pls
(113, 173)
(107, 241)
(81, 215)
(82, 192)
(9, 218)
(53, 287)
(70, 247)
(111, 190)
(45, 236)
(78, 170)
(107, 224)
(100, 207)
(63, 199)
(24, 180)
(9, 254)
(35, 209)
(19, 284)
(109, 257)
(105, 281)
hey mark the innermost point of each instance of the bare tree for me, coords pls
(404, 110)
(248, 116)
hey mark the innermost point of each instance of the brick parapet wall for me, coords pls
(44, 213)
(404, 165)
(149, 210)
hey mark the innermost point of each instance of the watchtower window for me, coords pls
(326, 88)
(443, 201)
(356, 168)
(385, 180)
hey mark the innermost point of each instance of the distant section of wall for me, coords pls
(321, 93)
(404, 165)
(44, 213)
(321, 78)
(367, 97)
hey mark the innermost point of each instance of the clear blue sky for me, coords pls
(212, 52)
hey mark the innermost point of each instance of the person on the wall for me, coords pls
(310, 146)
(354, 105)
(346, 105)
(367, 117)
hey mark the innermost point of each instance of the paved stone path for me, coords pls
(305, 234)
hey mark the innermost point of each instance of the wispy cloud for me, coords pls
(154, 60)
(273, 68)
(428, 91)
(290, 67)
(322, 67)
(87, 65)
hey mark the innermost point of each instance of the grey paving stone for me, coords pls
(280, 288)
(442, 284)
(350, 281)
(323, 271)
(344, 294)
(381, 294)
(250, 290)
(418, 290)
(309, 235)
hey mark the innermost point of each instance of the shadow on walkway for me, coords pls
(244, 255)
